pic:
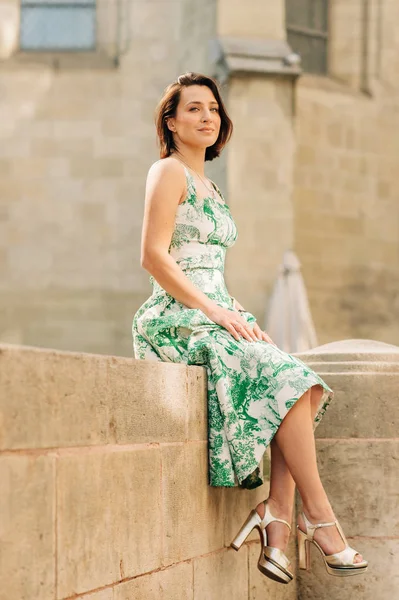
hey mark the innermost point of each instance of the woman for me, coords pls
(257, 394)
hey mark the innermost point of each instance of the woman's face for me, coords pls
(197, 120)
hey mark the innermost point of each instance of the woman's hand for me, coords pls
(262, 335)
(233, 322)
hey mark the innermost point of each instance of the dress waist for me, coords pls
(195, 255)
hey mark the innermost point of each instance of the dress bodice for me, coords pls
(204, 229)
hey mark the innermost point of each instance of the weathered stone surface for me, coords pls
(193, 510)
(261, 587)
(258, 20)
(149, 400)
(381, 580)
(102, 595)
(197, 403)
(174, 583)
(363, 353)
(221, 576)
(79, 399)
(27, 546)
(351, 270)
(361, 479)
(365, 405)
(62, 396)
(238, 504)
(364, 375)
(88, 142)
(109, 518)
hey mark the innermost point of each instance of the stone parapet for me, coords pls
(105, 495)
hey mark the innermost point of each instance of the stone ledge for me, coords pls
(237, 55)
(52, 399)
(361, 351)
(364, 375)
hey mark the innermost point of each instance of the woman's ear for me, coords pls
(170, 124)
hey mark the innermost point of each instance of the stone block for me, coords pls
(27, 541)
(103, 595)
(174, 583)
(109, 518)
(61, 396)
(77, 399)
(361, 405)
(95, 167)
(221, 576)
(238, 503)
(360, 477)
(197, 403)
(381, 580)
(149, 401)
(261, 587)
(193, 510)
(257, 21)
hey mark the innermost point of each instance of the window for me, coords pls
(58, 25)
(307, 32)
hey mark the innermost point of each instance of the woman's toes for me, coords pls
(358, 558)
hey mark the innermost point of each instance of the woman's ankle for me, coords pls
(318, 514)
(277, 509)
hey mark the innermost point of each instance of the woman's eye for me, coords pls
(196, 108)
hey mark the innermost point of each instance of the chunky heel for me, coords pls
(252, 521)
(340, 564)
(303, 550)
(272, 562)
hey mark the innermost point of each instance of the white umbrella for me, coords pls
(288, 319)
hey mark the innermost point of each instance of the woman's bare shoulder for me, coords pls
(168, 166)
(166, 177)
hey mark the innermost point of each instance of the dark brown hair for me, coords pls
(167, 109)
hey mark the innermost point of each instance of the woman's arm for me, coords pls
(166, 184)
(164, 189)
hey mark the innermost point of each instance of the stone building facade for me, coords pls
(311, 166)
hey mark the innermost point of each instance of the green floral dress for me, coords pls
(251, 385)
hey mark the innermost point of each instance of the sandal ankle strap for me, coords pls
(268, 518)
(311, 527)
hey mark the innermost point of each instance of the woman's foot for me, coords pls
(328, 538)
(278, 534)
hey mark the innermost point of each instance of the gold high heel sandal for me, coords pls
(340, 564)
(272, 561)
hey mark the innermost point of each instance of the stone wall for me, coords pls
(345, 181)
(103, 463)
(311, 169)
(75, 145)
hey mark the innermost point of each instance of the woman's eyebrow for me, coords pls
(198, 102)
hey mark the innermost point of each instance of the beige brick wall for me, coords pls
(258, 19)
(259, 168)
(346, 210)
(316, 172)
(75, 147)
(75, 150)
